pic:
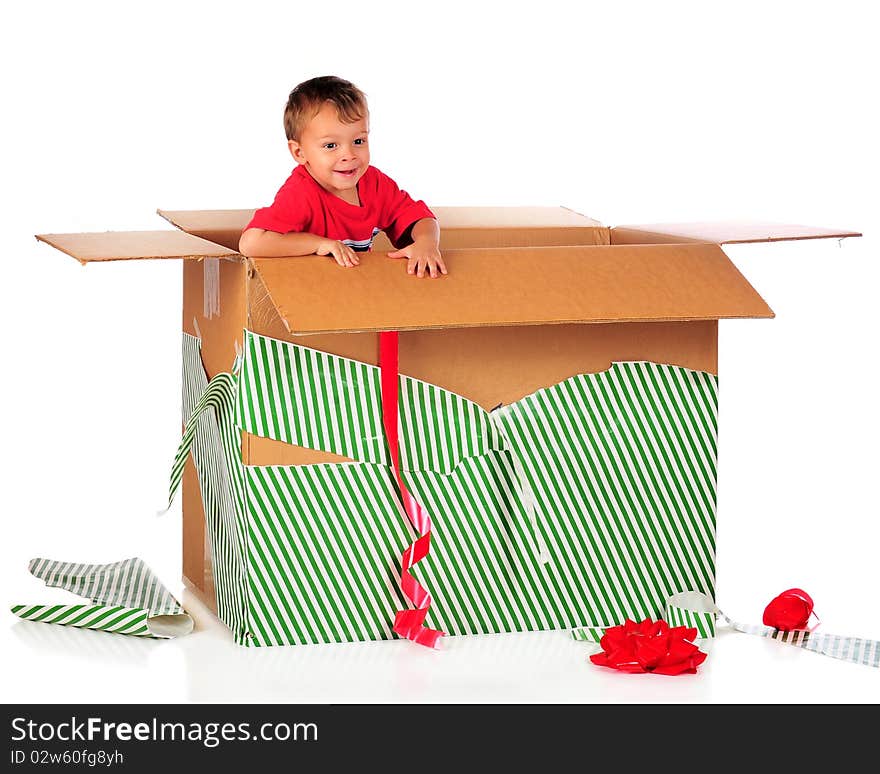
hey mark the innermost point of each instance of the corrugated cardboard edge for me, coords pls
(722, 232)
(103, 246)
(528, 286)
(503, 227)
(223, 234)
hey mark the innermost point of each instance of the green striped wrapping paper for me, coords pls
(125, 598)
(212, 438)
(614, 473)
(857, 650)
(691, 609)
(698, 611)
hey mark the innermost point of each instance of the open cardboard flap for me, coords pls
(512, 286)
(459, 227)
(134, 245)
(222, 227)
(721, 233)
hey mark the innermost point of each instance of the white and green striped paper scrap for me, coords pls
(124, 597)
(696, 610)
(214, 441)
(613, 473)
(692, 609)
(857, 650)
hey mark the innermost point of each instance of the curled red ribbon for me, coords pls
(649, 646)
(407, 623)
(789, 610)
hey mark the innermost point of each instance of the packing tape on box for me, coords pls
(697, 610)
(125, 597)
(211, 287)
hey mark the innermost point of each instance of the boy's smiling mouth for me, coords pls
(346, 172)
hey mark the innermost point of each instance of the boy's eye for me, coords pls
(360, 141)
(329, 145)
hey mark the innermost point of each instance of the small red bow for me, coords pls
(649, 646)
(790, 610)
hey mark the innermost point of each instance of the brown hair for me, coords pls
(308, 97)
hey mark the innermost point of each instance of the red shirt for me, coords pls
(302, 205)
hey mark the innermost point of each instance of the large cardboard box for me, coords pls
(558, 420)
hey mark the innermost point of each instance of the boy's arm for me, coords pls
(424, 252)
(427, 230)
(259, 243)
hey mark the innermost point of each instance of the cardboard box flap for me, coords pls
(464, 227)
(512, 217)
(721, 233)
(223, 227)
(132, 245)
(511, 286)
(459, 226)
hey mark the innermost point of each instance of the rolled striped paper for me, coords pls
(620, 465)
(125, 597)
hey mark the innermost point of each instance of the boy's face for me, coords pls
(335, 154)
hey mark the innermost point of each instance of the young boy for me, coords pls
(334, 203)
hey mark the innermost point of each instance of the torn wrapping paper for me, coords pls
(124, 597)
(854, 649)
(621, 465)
(698, 611)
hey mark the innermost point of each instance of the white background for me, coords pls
(626, 112)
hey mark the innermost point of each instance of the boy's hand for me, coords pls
(340, 251)
(422, 257)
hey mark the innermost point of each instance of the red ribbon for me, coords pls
(649, 646)
(789, 610)
(407, 623)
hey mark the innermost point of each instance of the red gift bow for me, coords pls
(789, 610)
(649, 646)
